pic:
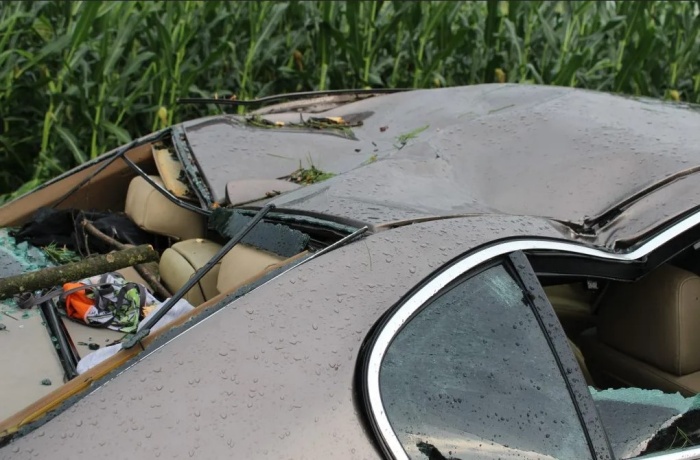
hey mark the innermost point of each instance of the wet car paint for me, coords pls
(553, 152)
(258, 379)
(270, 375)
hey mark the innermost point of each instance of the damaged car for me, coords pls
(483, 272)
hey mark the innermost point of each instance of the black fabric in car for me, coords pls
(63, 228)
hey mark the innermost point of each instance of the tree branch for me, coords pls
(91, 266)
(143, 270)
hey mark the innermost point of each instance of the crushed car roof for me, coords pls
(586, 158)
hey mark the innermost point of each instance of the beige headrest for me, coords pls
(656, 320)
(153, 212)
(241, 264)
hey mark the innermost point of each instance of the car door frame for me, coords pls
(389, 326)
(382, 334)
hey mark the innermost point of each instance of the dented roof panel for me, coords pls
(229, 149)
(553, 152)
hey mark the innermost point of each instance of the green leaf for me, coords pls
(121, 134)
(72, 144)
(404, 138)
(86, 17)
(566, 74)
(43, 27)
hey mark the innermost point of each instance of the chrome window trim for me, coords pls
(686, 454)
(429, 290)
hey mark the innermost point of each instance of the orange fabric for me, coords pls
(78, 304)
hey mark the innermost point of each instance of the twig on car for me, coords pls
(142, 269)
(91, 266)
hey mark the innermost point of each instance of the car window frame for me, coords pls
(650, 253)
(392, 322)
(564, 356)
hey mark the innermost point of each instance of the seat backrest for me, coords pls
(655, 320)
(573, 305)
(153, 212)
(181, 261)
(581, 362)
(243, 263)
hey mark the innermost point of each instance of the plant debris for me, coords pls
(260, 122)
(60, 256)
(331, 122)
(404, 138)
(336, 125)
(9, 315)
(310, 175)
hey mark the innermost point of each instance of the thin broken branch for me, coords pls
(146, 273)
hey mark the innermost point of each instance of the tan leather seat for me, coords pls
(581, 362)
(243, 263)
(153, 212)
(180, 261)
(573, 305)
(648, 333)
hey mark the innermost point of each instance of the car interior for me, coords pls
(190, 243)
(637, 345)
(639, 334)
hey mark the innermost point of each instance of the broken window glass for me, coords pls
(640, 422)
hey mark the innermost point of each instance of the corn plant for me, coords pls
(78, 78)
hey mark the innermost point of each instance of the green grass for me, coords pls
(61, 256)
(682, 438)
(404, 138)
(309, 175)
(80, 78)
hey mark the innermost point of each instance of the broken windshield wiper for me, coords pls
(151, 320)
(283, 97)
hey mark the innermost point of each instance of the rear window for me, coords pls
(471, 375)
